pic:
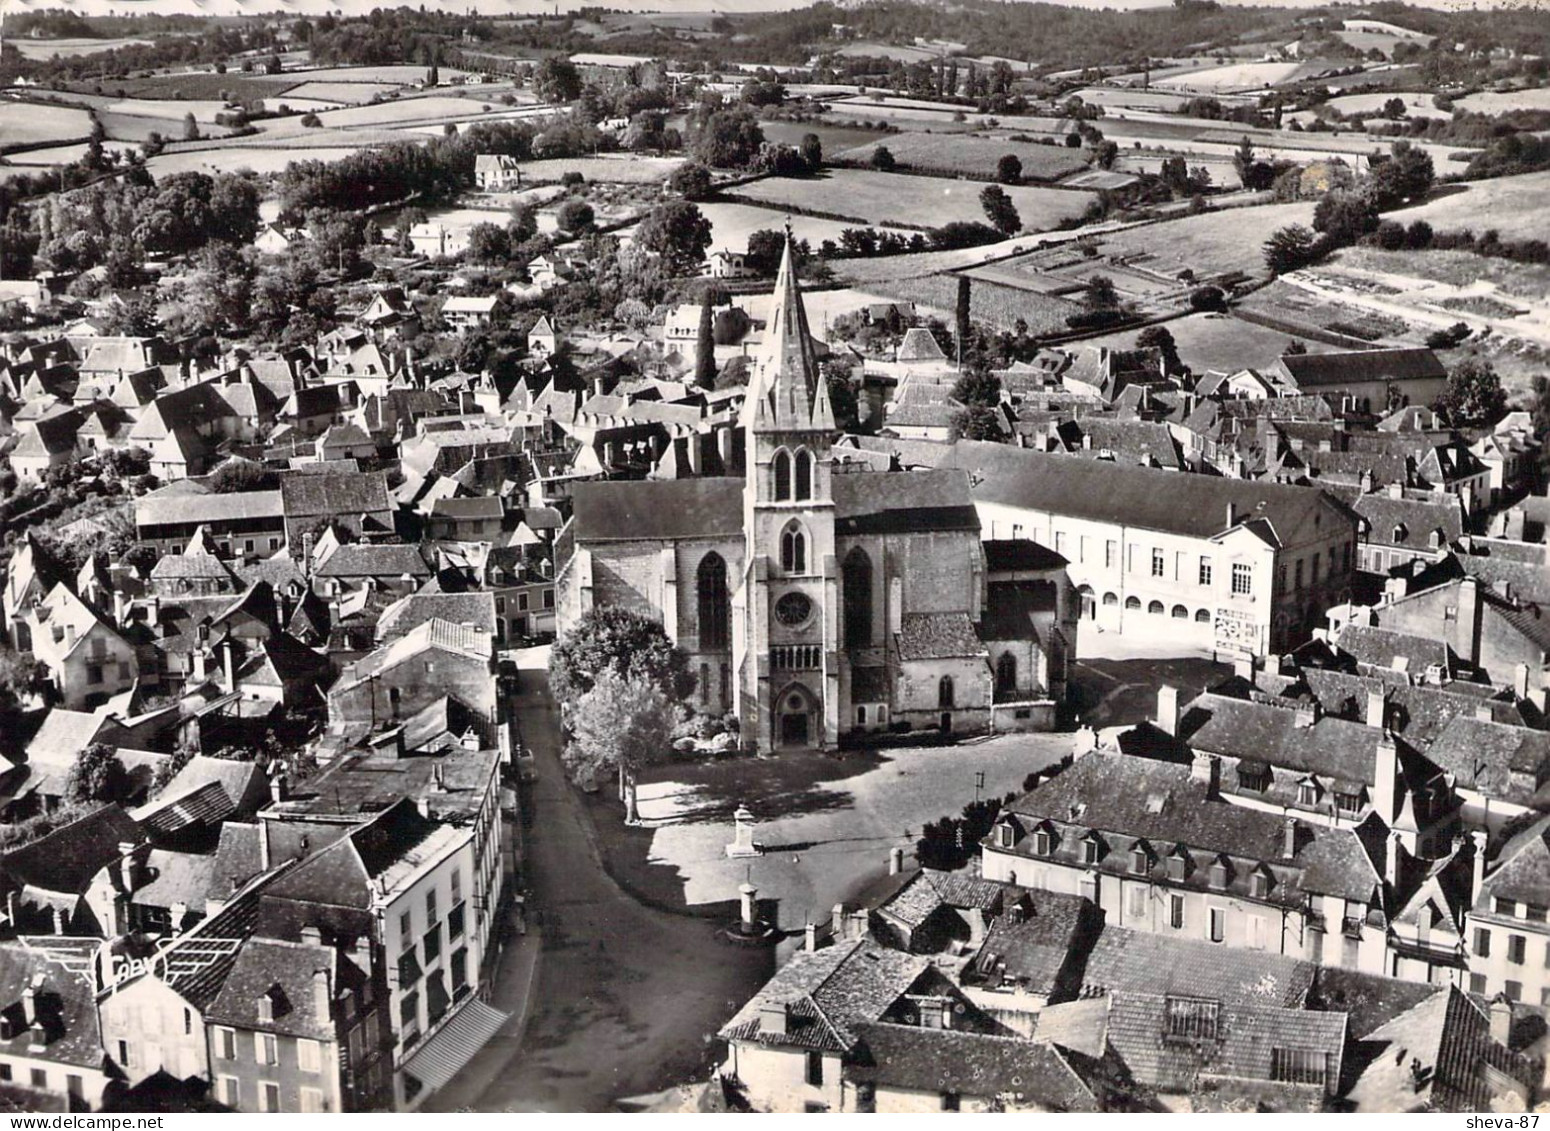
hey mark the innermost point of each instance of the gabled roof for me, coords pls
(364, 559)
(66, 1009)
(66, 859)
(308, 496)
(915, 1059)
(1311, 370)
(657, 509)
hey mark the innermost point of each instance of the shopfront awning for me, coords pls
(454, 1044)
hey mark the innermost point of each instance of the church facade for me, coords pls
(814, 600)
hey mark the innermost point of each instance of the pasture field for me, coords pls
(405, 111)
(32, 123)
(833, 138)
(732, 224)
(1209, 244)
(1457, 268)
(624, 169)
(1127, 99)
(1499, 102)
(1233, 77)
(339, 93)
(917, 202)
(1418, 104)
(904, 55)
(392, 74)
(229, 159)
(196, 85)
(166, 108)
(1514, 206)
(1220, 342)
(990, 303)
(973, 155)
(69, 48)
(62, 154)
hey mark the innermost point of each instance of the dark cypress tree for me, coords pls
(705, 348)
(962, 327)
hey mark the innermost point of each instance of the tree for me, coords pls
(976, 422)
(1000, 210)
(978, 386)
(613, 638)
(1106, 153)
(961, 314)
(705, 347)
(1101, 293)
(241, 475)
(1406, 176)
(1210, 298)
(234, 201)
(190, 127)
(1345, 217)
(488, 243)
(557, 80)
(812, 152)
(1473, 396)
(842, 399)
(678, 232)
(311, 121)
(1394, 109)
(1290, 249)
(765, 248)
(97, 774)
(882, 160)
(134, 317)
(729, 139)
(623, 723)
(1541, 418)
(1161, 338)
(523, 224)
(575, 215)
(1009, 169)
(692, 181)
(433, 75)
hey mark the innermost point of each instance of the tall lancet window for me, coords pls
(781, 465)
(793, 549)
(804, 475)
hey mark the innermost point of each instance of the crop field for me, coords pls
(198, 86)
(990, 303)
(69, 48)
(732, 224)
(393, 74)
(1514, 206)
(1457, 268)
(1220, 342)
(1418, 104)
(204, 112)
(917, 202)
(624, 169)
(1235, 76)
(232, 158)
(1124, 98)
(32, 123)
(1499, 102)
(404, 111)
(62, 154)
(976, 156)
(833, 138)
(340, 93)
(904, 55)
(1301, 312)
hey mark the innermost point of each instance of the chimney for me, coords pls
(1232, 515)
(1243, 668)
(1367, 482)
(1377, 709)
(1476, 862)
(772, 1018)
(311, 935)
(322, 997)
(277, 788)
(120, 608)
(1206, 769)
(810, 942)
(423, 804)
(1168, 710)
(229, 656)
(1484, 714)
(1501, 1021)
(153, 611)
(1395, 588)
(1391, 859)
(130, 868)
(1396, 490)
(1307, 715)
(1385, 790)
(1466, 628)
(748, 906)
(837, 922)
(895, 861)
(1289, 838)
(29, 1005)
(1520, 681)
(360, 954)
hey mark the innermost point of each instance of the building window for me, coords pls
(945, 693)
(1482, 943)
(1091, 850)
(1042, 843)
(548, 598)
(1297, 576)
(1253, 776)
(225, 1044)
(266, 1049)
(1348, 803)
(804, 475)
(793, 550)
(1138, 861)
(455, 919)
(268, 1096)
(430, 908)
(1256, 932)
(308, 1055)
(1176, 912)
(1205, 571)
(406, 929)
(1259, 885)
(1242, 577)
(857, 581)
(1218, 924)
(311, 1100)
(714, 603)
(1507, 907)
(1157, 562)
(231, 1091)
(1060, 542)
(1477, 983)
(1006, 674)
(124, 1054)
(1192, 1019)
(1307, 793)
(781, 465)
(1517, 949)
(951, 1101)
(815, 1069)
(433, 944)
(1110, 554)
(1137, 909)
(861, 716)
(93, 673)
(1155, 608)
(1299, 1066)
(1218, 876)
(1513, 990)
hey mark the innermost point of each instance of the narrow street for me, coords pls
(626, 999)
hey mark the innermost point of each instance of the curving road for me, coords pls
(627, 999)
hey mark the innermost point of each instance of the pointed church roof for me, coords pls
(786, 391)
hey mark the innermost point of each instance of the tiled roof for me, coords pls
(477, 609)
(1409, 523)
(464, 639)
(1367, 1000)
(1382, 647)
(1330, 747)
(1521, 871)
(916, 1059)
(1417, 712)
(285, 972)
(920, 345)
(178, 877)
(1142, 497)
(307, 496)
(827, 994)
(928, 889)
(1020, 554)
(901, 502)
(1311, 370)
(1015, 610)
(365, 559)
(66, 1007)
(68, 858)
(658, 510)
(204, 804)
(1123, 961)
(936, 636)
(1034, 945)
(1504, 762)
(167, 509)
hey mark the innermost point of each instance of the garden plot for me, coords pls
(624, 169)
(918, 202)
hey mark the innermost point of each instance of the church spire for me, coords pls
(787, 391)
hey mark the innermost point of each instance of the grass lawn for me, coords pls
(999, 306)
(28, 123)
(1498, 102)
(1222, 343)
(1514, 206)
(921, 202)
(974, 155)
(1229, 240)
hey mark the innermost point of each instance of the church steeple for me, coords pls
(786, 392)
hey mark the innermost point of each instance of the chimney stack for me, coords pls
(1289, 838)
(322, 997)
(129, 866)
(1377, 709)
(1207, 769)
(1477, 862)
(1232, 515)
(1501, 1021)
(1385, 791)
(1168, 710)
(1466, 629)
(1307, 715)
(895, 861)
(837, 922)
(810, 942)
(277, 789)
(312, 935)
(1520, 681)
(153, 611)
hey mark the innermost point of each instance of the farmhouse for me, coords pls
(497, 172)
(463, 313)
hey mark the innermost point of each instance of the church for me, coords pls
(815, 599)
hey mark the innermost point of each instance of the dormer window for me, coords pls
(1140, 859)
(1092, 848)
(1178, 863)
(1348, 802)
(1259, 885)
(1308, 792)
(1218, 874)
(1253, 776)
(1043, 843)
(1006, 835)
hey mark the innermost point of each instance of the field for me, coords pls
(625, 170)
(990, 303)
(62, 154)
(30, 123)
(1457, 268)
(1129, 99)
(167, 109)
(197, 85)
(1499, 102)
(904, 55)
(341, 93)
(232, 158)
(833, 138)
(405, 111)
(390, 74)
(917, 202)
(1237, 76)
(1514, 206)
(976, 156)
(69, 48)
(1418, 104)
(732, 224)
(1219, 342)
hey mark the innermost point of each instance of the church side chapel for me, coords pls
(816, 600)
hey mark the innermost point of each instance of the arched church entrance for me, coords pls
(796, 717)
